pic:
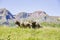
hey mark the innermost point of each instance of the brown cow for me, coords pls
(28, 25)
(23, 25)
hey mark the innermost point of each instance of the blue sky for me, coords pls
(51, 7)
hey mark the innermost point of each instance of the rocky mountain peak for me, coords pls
(5, 15)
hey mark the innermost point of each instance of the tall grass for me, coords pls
(13, 33)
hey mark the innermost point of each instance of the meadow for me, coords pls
(16, 33)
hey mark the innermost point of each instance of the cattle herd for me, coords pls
(29, 25)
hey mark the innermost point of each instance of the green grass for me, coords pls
(46, 33)
(50, 24)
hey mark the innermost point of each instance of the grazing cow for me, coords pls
(33, 24)
(28, 25)
(38, 26)
(17, 23)
(23, 25)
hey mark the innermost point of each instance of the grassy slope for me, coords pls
(9, 33)
(50, 24)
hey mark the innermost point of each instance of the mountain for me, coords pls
(38, 16)
(22, 15)
(5, 16)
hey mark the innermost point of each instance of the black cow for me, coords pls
(34, 25)
(17, 23)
